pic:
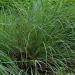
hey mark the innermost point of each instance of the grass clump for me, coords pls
(37, 37)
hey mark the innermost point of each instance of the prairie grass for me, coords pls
(37, 37)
